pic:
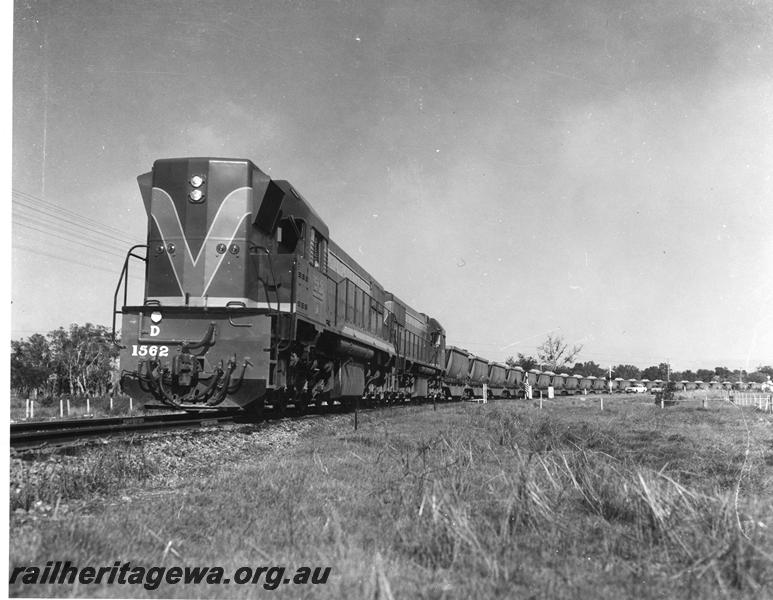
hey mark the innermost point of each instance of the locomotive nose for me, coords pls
(199, 211)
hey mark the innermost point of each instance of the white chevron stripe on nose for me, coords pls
(223, 229)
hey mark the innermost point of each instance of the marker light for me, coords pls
(155, 316)
(197, 180)
(234, 249)
(196, 195)
(221, 248)
(171, 248)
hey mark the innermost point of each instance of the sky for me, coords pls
(596, 170)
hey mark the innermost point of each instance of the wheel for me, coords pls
(255, 410)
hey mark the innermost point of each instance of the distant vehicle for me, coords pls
(636, 388)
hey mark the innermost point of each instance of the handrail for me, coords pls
(124, 279)
(206, 340)
(273, 276)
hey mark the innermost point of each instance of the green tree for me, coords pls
(83, 357)
(765, 370)
(589, 369)
(30, 364)
(523, 361)
(704, 374)
(653, 373)
(626, 372)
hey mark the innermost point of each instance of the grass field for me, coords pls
(501, 500)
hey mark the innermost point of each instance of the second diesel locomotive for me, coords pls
(248, 302)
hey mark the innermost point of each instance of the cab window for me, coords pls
(289, 233)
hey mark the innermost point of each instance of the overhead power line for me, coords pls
(65, 222)
(68, 218)
(100, 250)
(70, 260)
(35, 200)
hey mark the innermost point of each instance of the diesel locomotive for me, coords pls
(249, 303)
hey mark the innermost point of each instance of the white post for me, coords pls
(88, 406)
(705, 399)
(61, 408)
(32, 409)
(540, 401)
(602, 402)
(485, 393)
(27, 409)
(68, 407)
(111, 404)
(130, 404)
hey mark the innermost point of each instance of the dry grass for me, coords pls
(497, 500)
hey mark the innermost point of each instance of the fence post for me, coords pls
(32, 409)
(61, 408)
(130, 404)
(27, 408)
(111, 404)
(88, 406)
(68, 407)
(602, 402)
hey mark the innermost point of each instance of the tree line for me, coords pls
(81, 360)
(555, 354)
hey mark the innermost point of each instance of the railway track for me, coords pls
(37, 435)
(41, 434)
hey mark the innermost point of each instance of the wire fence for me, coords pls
(760, 400)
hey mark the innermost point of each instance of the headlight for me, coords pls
(196, 195)
(196, 181)
(155, 316)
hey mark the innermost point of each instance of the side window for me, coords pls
(318, 253)
(289, 232)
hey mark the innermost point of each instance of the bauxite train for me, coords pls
(249, 303)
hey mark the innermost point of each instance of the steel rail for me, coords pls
(30, 435)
